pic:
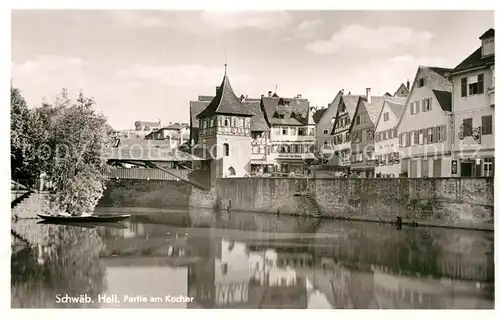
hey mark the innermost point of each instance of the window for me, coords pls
(325, 131)
(356, 136)
(422, 137)
(369, 134)
(414, 107)
(293, 131)
(467, 127)
(302, 131)
(255, 149)
(488, 167)
(224, 268)
(284, 131)
(415, 137)
(293, 148)
(463, 86)
(440, 133)
(325, 144)
(426, 105)
(421, 82)
(386, 116)
(425, 168)
(395, 156)
(276, 131)
(233, 122)
(358, 120)
(431, 135)
(284, 148)
(472, 85)
(486, 125)
(347, 137)
(225, 148)
(275, 148)
(311, 131)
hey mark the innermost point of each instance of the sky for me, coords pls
(147, 65)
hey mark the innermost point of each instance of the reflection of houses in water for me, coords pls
(260, 264)
(232, 273)
(394, 291)
(282, 277)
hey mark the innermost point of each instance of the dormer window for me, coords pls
(488, 47)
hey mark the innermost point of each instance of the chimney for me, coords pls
(368, 95)
(408, 84)
(242, 98)
(217, 89)
(261, 96)
(299, 96)
(269, 93)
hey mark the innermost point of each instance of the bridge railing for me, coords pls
(147, 173)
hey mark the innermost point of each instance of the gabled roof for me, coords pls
(444, 99)
(444, 72)
(475, 60)
(286, 111)
(373, 108)
(225, 102)
(396, 104)
(488, 34)
(195, 108)
(319, 114)
(258, 122)
(351, 102)
(442, 85)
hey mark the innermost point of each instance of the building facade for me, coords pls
(224, 131)
(341, 130)
(325, 119)
(424, 129)
(362, 133)
(474, 111)
(292, 134)
(388, 164)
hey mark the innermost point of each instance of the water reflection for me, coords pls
(247, 260)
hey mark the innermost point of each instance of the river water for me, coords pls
(191, 258)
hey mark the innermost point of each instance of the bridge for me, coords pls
(152, 160)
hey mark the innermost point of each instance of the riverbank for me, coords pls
(465, 203)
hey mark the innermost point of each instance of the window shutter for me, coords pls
(417, 107)
(407, 139)
(400, 140)
(430, 104)
(434, 135)
(464, 87)
(480, 82)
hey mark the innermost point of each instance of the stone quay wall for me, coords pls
(449, 202)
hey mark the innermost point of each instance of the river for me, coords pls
(193, 258)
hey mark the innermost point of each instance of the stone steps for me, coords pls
(30, 206)
(312, 205)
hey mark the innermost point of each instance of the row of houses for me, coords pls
(439, 126)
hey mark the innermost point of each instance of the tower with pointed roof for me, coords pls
(225, 133)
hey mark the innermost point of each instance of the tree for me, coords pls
(78, 163)
(19, 115)
(66, 140)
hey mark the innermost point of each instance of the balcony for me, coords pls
(295, 156)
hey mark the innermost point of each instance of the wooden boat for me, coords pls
(90, 218)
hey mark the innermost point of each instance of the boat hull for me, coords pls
(96, 218)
